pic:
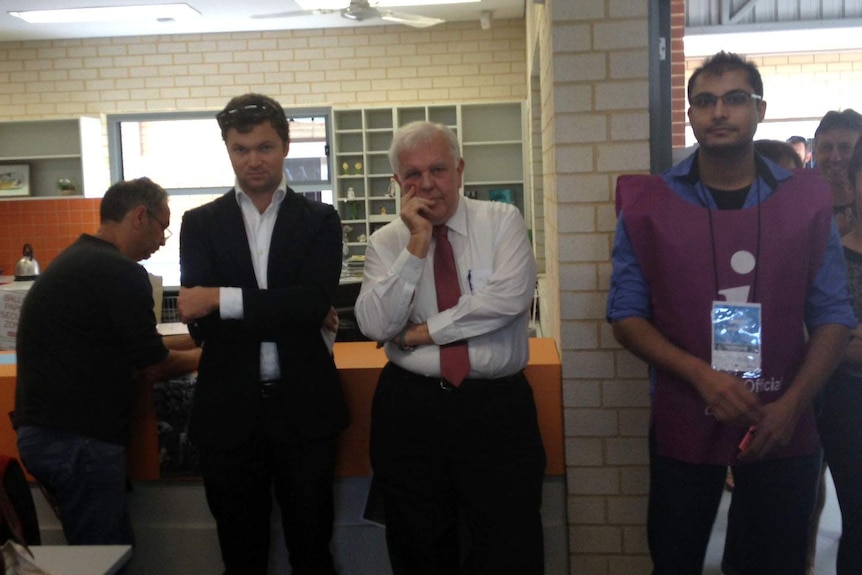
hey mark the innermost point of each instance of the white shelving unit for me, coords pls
(493, 149)
(492, 146)
(53, 149)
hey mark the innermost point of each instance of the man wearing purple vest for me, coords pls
(719, 266)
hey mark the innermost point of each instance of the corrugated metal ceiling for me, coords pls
(711, 16)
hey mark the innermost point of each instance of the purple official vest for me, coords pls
(671, 240)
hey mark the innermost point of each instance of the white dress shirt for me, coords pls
(258, 230)
(497, 275)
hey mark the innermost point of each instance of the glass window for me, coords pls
(184, 153)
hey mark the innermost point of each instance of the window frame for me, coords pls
(115, 157)
(115, 152)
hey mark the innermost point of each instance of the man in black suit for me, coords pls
(259, 267)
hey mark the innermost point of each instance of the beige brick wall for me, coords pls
(455, 62)
(591, 58)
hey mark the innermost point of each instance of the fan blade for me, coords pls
(414, 20)
(291, 14)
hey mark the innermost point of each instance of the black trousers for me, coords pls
(458, 461)
(840, 426)
(767, 524)
(239, 485)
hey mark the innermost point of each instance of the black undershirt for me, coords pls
(729, 199)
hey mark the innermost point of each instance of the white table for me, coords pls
(81, 559)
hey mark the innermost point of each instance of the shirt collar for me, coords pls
(458, 221)
(767, 170)
(277, 197)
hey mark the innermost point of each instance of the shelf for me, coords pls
(38, 158)
(493, 164)
(446, 115)
(378, 119)
(57, 149)
(349, 140)
(490, 123)
(348, 120)
(499, 143)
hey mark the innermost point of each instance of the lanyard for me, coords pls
(702, 193)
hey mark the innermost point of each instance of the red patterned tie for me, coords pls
(454, 359)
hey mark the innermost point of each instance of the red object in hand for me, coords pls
(746, 441)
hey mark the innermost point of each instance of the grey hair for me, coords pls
(124, 196)
(412, 135)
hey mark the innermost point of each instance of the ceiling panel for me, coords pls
(228, 16)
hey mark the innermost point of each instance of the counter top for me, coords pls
(359, 366)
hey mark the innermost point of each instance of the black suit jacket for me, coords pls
(303, 273)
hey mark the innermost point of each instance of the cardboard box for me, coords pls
(11, 299)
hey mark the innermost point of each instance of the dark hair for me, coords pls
(855, 165)
(848, 119)
(722, 62)
(792, 140)
(778, 152)
(245, 112)
(123, 197)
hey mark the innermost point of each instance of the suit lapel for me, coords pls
(282, 249)
(234, 240)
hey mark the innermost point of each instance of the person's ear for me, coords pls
(138, 216)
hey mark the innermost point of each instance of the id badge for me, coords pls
(736, 338)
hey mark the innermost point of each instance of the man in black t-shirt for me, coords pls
(86, 335)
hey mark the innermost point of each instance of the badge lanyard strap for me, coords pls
(702, 192)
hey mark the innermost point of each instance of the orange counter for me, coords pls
(359, 365)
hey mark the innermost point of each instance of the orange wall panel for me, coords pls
(49, 225)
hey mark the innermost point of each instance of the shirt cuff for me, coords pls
(230, 303)
(442, 329)
(408, 268)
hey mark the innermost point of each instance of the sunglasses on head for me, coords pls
(248, 114)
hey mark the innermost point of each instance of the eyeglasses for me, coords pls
(732, 99)
(248, 114)
(165, 231)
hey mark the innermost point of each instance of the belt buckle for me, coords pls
(268, 389)
(445, 385)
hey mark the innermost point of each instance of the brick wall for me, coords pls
(677, 72)
(593, 66)
(344, 66)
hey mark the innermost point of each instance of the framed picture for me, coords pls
(14, 180)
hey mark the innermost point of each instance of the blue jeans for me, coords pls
(88, 479)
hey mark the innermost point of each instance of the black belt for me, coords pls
(473, 384)
(271, 388)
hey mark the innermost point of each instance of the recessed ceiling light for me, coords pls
(399, 3)
(108, 14)
(341, 4)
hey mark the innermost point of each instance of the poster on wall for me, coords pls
(14, 180)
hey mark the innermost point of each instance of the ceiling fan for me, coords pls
(361, 10)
